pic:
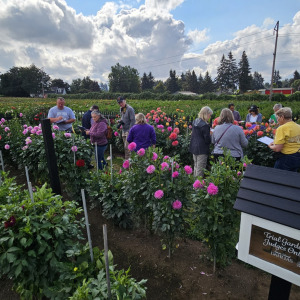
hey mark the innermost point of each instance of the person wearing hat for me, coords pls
(254, 116)
(127, 121)
(87, 119)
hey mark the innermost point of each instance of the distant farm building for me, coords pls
(284, 91)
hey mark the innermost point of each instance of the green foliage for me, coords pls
(215, 218)
(35, 239)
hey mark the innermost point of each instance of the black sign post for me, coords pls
(51, 157)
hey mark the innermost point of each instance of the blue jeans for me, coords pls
(289, 162)
(101, 159)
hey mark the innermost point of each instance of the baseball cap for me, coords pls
(120, 99)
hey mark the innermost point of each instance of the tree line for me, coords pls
(232, 77)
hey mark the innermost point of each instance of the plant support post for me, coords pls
(87, 224)
(106, 259)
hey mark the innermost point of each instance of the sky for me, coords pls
(77, 38)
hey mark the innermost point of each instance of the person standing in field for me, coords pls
(287, 141)
(273, 118)
(87, 119)
(200, 140)
(235, 113)
(142, 133)
(127, 121)
(62, 115)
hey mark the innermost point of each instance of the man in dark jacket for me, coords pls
(201, 140)
(87, 119)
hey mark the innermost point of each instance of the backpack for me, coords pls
(109, 132)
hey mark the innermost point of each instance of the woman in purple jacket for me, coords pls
(98, 135)
(142, 133)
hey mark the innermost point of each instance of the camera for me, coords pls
(120, 123)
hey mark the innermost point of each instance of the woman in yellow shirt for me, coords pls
(287, 141)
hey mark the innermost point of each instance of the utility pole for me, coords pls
(276, 28)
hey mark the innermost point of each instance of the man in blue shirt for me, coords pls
(62, 115)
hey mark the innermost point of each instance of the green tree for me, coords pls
(57, 82)
(124, 79)
(208, 85)
(159, 87)
(257, 81)
(232, 72)
(147, 82)
(296, 84)
(222, 79)
(244, 74)
(75, 86)
(200, 84)
(192, 82)
(172, 82)
(277, 79)
(23, 81)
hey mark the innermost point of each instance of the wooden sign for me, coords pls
(275, 248)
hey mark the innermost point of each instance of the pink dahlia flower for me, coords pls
(175, 174)
(21, 115)
(166, 157)
(126, 164)
(150, 169)
(169, 128)
(188, 170)
(164, 166)
(6, 129)
(116, 133)
(158, 194)
(212, 189)
(55, 127)
(198, 184)
(74, 148)
(68, 135)
(7, 147)
(141, 152)
(132, 146)
(176, 204)
(154, 156)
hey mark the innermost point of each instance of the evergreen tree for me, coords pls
(232, 72)
(144, 82)
(244, 74)
(276, 79)
(172, 82)
(182, 82)
(221, 79)
(192, 82)
(200, 84)
(296, 75)
(227, 74)
(151, 81)
(208, 85)
(257, 81)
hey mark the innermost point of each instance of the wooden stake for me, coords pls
(106, 260)
(87, 224)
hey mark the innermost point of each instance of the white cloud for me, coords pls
(198, 36)
(68, 45)
(162, 5)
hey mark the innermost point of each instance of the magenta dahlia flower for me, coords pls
(154, 156)
(141, 152)
(150, 169)
(212, 189)
(188, 170)
(198, 184)
(176, 204)
(132, 146)
(126, 164)
(158, 194)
